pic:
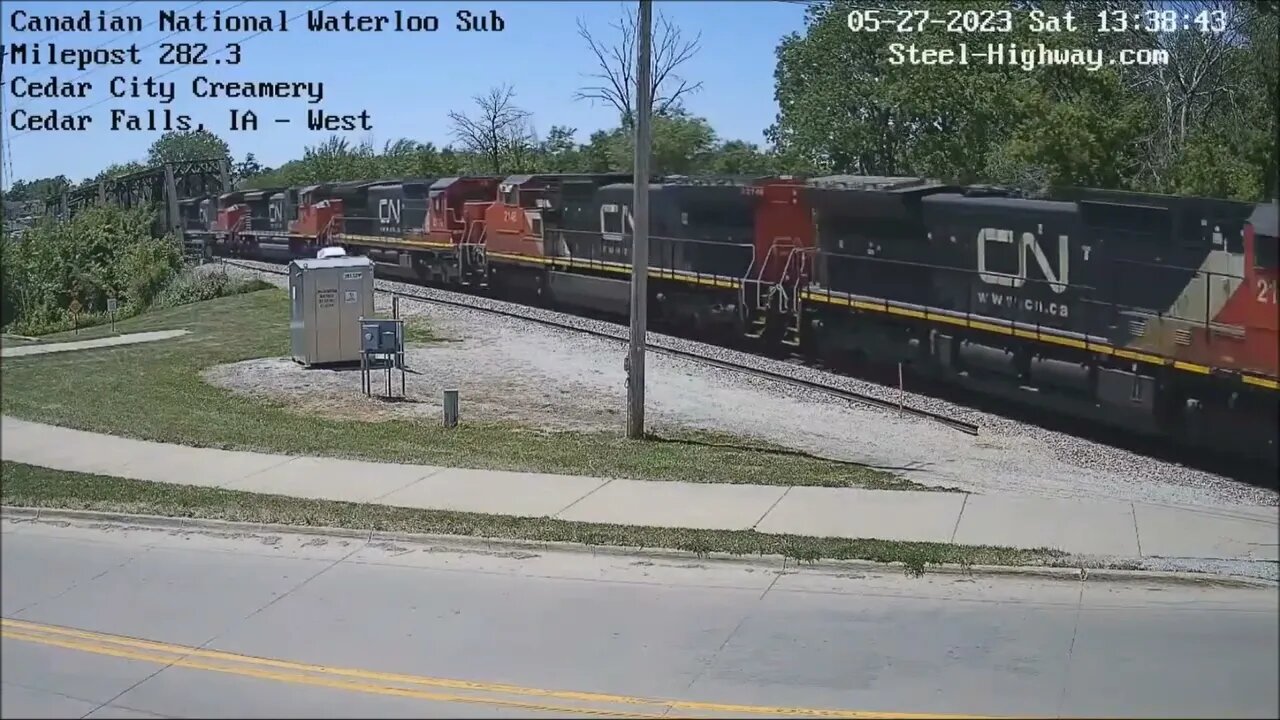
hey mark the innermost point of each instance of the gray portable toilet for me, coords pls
(327, 298)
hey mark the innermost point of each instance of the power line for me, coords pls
(59, 32)
(144, 47)
(215, 53)
(6, 161)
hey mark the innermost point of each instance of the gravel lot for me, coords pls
(508, 369)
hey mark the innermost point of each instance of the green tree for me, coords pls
(407, 158)
(1080, 131)
(738, 157)
(1211, 165)
(559, 152)
(833, 110)
(681, 145)
(177, 146)
(845, 105)
(247, 169)
(597, 154)
(115, 170)
(38, 189)
(1252, 123)
(103, 251)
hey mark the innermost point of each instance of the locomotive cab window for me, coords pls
(1266, 252)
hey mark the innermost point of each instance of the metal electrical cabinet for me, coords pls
(328, 297)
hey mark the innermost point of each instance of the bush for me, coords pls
(149, 267)
(193, 286)
(102, 252)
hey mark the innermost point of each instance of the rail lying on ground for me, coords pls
(954, 423)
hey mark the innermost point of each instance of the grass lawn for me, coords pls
(153, 391)
(27, 486)
(14, 342)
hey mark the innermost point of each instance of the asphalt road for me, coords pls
(108, 621)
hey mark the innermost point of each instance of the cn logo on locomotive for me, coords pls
(623, 221)
(389, 211)
(1028, 245)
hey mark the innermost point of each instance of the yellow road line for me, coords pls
(369, 681)
(301, 679)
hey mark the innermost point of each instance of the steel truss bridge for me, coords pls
(158, 186)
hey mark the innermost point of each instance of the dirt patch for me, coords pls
(488, 393)
(503, 370)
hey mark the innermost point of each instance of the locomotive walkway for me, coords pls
(1118, 529)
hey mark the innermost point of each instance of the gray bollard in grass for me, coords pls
(450, 408)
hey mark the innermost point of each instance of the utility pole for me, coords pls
(640, 229)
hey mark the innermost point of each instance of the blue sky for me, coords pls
(407, 81)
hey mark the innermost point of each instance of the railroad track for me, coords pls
(859, 398)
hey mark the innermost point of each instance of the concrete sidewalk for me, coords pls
(131, 339)
(1121, 529)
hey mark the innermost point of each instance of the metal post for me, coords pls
(902, 393)
(171, 204)
(450, 408)
(224, 175)
(640, 232)
(395, 307)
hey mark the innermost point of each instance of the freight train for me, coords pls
(1149, 313)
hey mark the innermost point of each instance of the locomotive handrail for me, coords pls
(326, 233)
(1180, 268)
(468, 231)
(452, 218)
(664, 238)
(803, 253)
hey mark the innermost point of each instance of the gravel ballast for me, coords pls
(508, 369)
